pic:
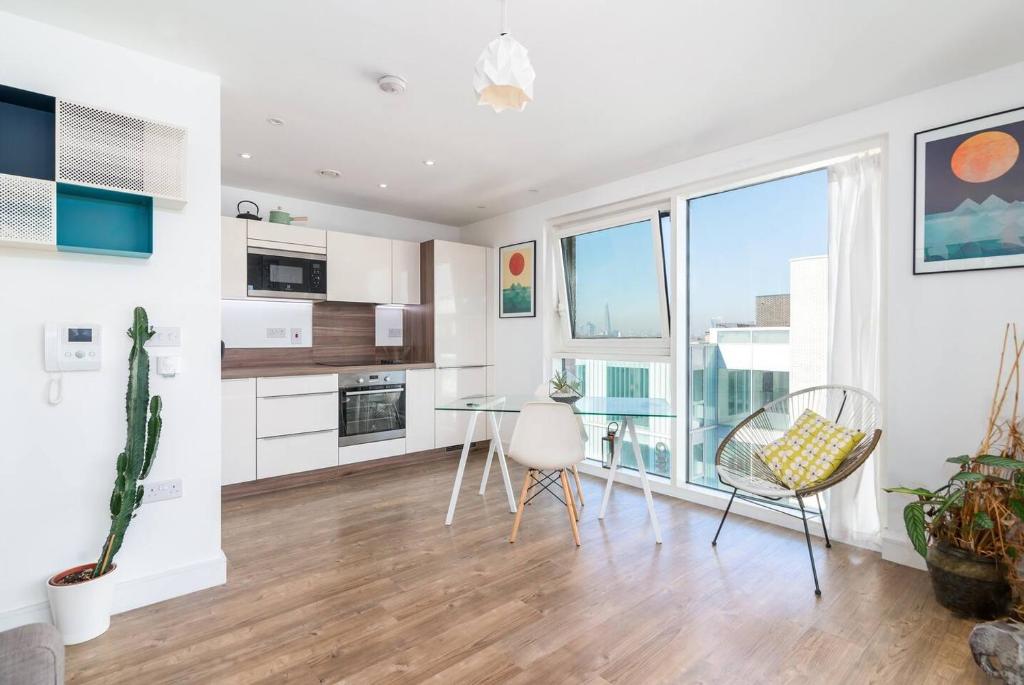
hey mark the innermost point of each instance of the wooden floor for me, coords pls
(359, 581)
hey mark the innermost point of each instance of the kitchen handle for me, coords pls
(300, 394)
(292, 435)
(473, 366)
(373, 392)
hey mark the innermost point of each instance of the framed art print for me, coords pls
(518, 274)
(969, 195)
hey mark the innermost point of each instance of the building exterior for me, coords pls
(771, 310)
(736, 370)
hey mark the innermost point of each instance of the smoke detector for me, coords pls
(392, 85)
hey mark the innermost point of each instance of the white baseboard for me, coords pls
(138, 592)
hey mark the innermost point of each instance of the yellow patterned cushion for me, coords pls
(809, 451)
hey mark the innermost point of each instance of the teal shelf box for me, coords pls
(98, 221)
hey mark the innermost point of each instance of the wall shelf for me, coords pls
(99, 221)
(27, 147)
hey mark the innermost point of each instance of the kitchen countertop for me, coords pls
(271, 370)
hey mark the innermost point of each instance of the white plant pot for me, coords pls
(82, 611)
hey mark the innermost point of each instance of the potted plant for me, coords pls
(81, 597)
(970, 530)
(565, 388)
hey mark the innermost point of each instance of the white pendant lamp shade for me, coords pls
(504, 76)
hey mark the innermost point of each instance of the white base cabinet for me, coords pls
(238, 430)
(419, 410)
(284, 454)
(451, 384)
(352, 454)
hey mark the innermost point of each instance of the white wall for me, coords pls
(338, 218)
(57, 463)
(941, 332)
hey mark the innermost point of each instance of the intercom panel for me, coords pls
(72, 347)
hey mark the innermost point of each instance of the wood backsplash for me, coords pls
(343, 332)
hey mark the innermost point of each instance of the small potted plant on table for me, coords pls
(81, 597)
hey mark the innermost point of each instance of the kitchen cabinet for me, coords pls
(296, 414)
(358, 268)
(405, 272)
(283, 454)
(233, 276)
(286, 237)
(419, 410)
(238, 430)
(449, 385)
(460, 304)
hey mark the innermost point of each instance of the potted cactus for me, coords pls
(81, 597)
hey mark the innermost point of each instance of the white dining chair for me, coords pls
(543, 393)
(547, 442)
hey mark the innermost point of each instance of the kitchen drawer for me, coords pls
(296, 414)
(296, 385)
(281, 455)
(350, 454)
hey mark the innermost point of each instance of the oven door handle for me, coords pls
(372, 392)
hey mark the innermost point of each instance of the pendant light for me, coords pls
(504, 76)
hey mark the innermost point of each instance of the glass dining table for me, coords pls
(628, 409)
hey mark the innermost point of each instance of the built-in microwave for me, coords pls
(282, 273)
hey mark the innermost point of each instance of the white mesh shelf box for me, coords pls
(28, 215)
(120, 152)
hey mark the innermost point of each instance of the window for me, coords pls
(613, 287)
(757, 307)
(626, 379)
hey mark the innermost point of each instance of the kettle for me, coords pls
(247, 215)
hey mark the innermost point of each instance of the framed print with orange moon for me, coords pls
(518, 274)
(969, 195)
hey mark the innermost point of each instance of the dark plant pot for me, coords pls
(966, 584)
(566, 399)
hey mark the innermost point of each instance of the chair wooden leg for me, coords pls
(570, 507)
(519, 509)
(579, 485)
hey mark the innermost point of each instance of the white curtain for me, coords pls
(854, 290)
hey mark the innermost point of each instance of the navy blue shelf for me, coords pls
(27, 134)
(98, 221)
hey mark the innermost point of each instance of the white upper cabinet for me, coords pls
(297, 238)
(233, 276)
(358, 268)
(405, 272)
(460, 304)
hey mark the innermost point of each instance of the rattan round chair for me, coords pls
(740, 467)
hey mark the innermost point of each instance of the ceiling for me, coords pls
(622, 87)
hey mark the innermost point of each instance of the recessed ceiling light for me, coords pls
(532, 190)
(428, 162)
(481, 206)
(329, 173)
(391, 84)
(382, 185)
(245, 155)
(275, 121)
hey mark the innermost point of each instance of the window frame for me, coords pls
(654, 349)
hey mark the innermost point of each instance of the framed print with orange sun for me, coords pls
(969, 195)
(518, 274)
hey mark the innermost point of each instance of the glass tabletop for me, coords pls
(585, 406)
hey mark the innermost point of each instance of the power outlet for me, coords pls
(165, 336)
(296, 336)
(162, 490)
(276, 333)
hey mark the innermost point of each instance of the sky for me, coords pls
(741, 242)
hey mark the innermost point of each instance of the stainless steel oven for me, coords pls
(371, 407)
(283, 273)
